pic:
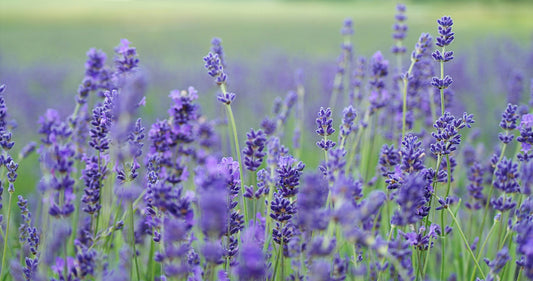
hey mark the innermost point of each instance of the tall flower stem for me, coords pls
(478, 256)
(442, 105)
(237, 151)
(6, 237)
(486, 209)
(356, 140)
(132, 237)
(467, 246)
(300, 91)
(404, 92)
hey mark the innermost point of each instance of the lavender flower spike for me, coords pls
(253, 153)
(325, 128)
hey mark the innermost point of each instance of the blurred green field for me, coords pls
(178, 33)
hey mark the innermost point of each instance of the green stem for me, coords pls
(299, 119)
(237, 151)
(432, 105)
(6, 237)
(99, 199)
(486, 209)
(405, 83)
(467, 246)
(151, 268)
(443, 217)
(426, 260)
(439, 159)
(351, 156)
(443, 242)
(132, 236)
(268, 218)
(442, 78)
(277, 262)
(449, 174)
(480, 252)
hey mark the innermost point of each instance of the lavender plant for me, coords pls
(120, 201)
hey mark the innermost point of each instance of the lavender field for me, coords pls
(266, 141)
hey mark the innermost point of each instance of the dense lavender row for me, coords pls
(404, 189)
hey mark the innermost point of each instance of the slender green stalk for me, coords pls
(99, 198)
(338, 80)
(405, 83)
(426, 259)
(268, 218)
(325, 151)
(449, 174)
(237, 151)
(150, 272)
(467, 246)
(351, 156)
(432, 105)
(442, 107)
(6, 237)
(434, 185)
(443, 217)
(480, 252)
(443, 243)
(486, 209)
(300, 91)
(277, 262)
(132, 237)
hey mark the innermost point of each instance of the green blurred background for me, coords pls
(178, 32)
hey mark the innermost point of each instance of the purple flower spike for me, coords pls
(214, 67)
(216, 47)
(411, 197)
(442, 83)
(503, 203)
(507, 176)
(252, 262)
(126, 58)
(324, 122)
(445, 30)
(282, 208)
(412, 154)
(289, 172)
(497, 264)
(254, 149)
(348, 117)
(347, 28)
(422, 46)
(399, 30)
(325, 128)
(95, 63)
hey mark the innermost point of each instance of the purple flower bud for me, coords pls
(507, 176)
(442, 83)
(253, 153)
(214, 68)
(347, 28)
(126, 58)
(421, 47)
(497, 264)
(216, 47)
(226, 98)
(445, 30)
(348, 117)
(324, 122)
(411, 197)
